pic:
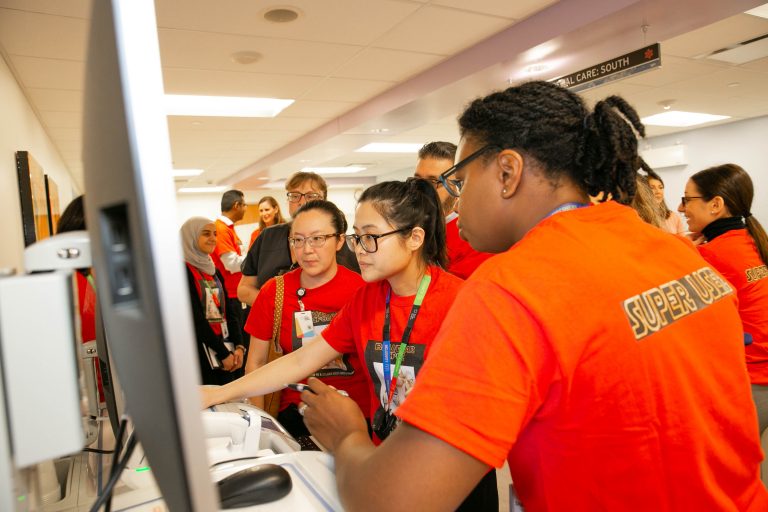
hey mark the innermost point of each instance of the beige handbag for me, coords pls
(272, 400)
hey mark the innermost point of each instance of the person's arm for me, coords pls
(257, 357)
(290, 368)
(232, 261)
(422, 471)
(248, 290)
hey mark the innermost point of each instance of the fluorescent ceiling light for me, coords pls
(679, 118)
(202, 190)
(390, 147)
(761, 11)
(335, 170)
(186, 173)
(223, 106)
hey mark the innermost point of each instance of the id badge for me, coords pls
(305, 327)
(224, 330)
(212, 312)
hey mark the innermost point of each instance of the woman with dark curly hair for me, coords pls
(597, 355)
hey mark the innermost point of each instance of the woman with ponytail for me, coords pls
(606, 369)
(389, 323)
(718, 205)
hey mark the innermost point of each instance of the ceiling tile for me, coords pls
(345, 89)
(43, 35)
(718, 35)
(441, 31)
(56, 99)
(674, 69)
(50, 73)
(362, 21)
(228, 83)
(317, 109)
(517, 10)
(204, 50)
(61, 119)
(74, 8)
(384, 64)
(238, 123)
(66, 134)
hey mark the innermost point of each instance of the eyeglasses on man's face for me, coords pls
(295, 197)
(298, 242)
(369, 242)
(686, 199)
(452, 185)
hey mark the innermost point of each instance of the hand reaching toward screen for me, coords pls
(329, 415)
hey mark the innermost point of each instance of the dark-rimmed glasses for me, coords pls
(370, 243)
(684, 200)
(453, 186)
(297, 242)
(295, 197)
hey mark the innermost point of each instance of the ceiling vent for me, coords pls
(743, 52)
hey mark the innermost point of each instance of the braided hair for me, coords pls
(597, 150)
(414, 203)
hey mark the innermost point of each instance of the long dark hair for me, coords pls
(597, 150)
(734, 185)
(413, 202)
(278, 214)
(73, 217)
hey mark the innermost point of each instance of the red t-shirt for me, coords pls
(359, 327)
(227, 241)
(608, 372)
(462, 258)
(735, 255)
(324, 302)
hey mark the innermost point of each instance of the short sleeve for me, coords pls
(262, 315)
(225, 240)
(340, 333)
(485, 377)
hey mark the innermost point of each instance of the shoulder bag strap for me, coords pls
(279, 296)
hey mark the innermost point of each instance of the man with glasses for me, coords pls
(434, 159)
(228, 256)
(270, 254)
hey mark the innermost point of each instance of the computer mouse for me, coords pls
(254, 486)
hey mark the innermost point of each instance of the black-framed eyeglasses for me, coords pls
(685, 199)
(453, 186)
(297, 242)
(370, 243)
(295, 197)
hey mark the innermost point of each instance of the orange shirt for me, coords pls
(323, 302)
(227, 241)
(735, 255)
(607, 370)
(254, 236)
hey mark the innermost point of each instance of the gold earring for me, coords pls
(504, 191)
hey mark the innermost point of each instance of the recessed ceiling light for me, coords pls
(679, 118)
(186, 173)
(245, 57)
(380, 130)
(536, 69)
(335, 170)
(390, 147)
(282, 15)
(734, 84)
(202, 190)
(223, 106)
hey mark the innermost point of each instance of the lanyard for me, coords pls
(564, 208)
(300, 293)
(214, 296)
(385, 350)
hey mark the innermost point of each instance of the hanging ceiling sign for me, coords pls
(617, 68)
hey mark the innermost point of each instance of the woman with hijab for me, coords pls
(218, 338)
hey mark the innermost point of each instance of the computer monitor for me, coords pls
(130, 208)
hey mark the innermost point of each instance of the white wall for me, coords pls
(209, 205)
(744, 143)
(20, 130)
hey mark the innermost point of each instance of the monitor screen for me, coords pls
(131, 212)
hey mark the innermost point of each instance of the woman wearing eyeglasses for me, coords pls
(390, 322)
(718, 205)
(606, 369)
(313, 294)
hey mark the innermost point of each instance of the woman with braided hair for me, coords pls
(606, 382)
(718, 205)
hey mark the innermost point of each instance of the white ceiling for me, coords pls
(358, 67)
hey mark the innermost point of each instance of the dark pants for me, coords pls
(235, 313)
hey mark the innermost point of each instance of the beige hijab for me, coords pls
(190, 232)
